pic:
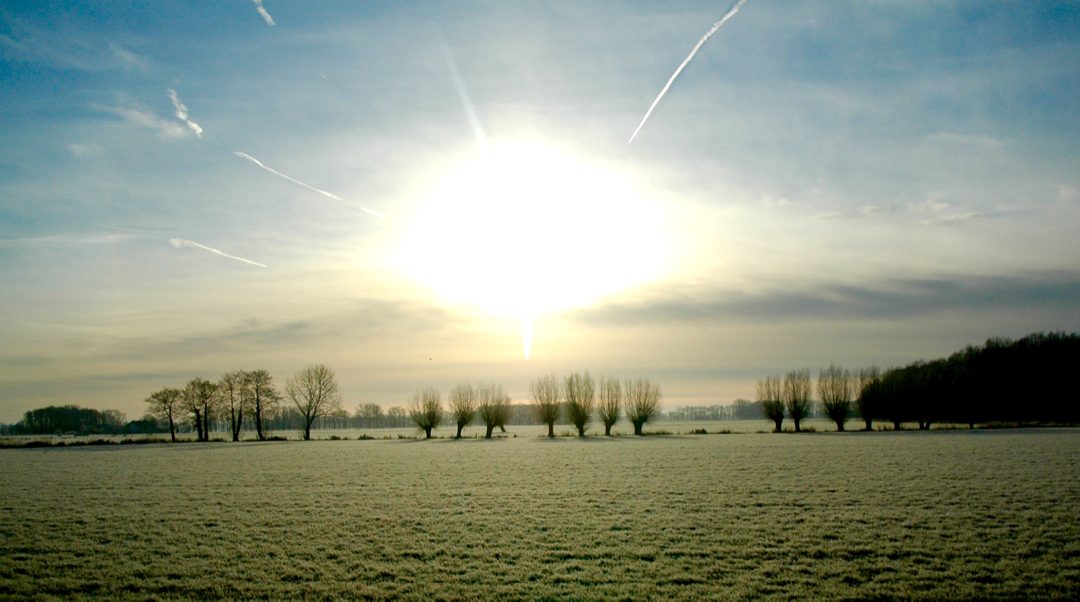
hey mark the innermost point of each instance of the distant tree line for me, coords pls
(1001, 381)
(72, 420)
(574, 399)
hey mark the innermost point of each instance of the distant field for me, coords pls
(948, 514)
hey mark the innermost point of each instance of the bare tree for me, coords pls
(463, 398)
(493, 406)
(369, 415)
(610, 403)
(426, 410)
(642, 402)
(579, 390)
(165, 403)
(314, 391)
(770, 394)
(834, 390)
(546, 392)
(234, 388)
(397, 416)
(797, 396)
(201, 399)
(264, 398)
(866, 390)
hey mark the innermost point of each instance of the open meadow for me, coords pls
(930, 515)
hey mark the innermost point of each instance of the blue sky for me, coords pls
(853, 182)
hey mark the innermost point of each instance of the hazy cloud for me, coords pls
(145, 118)
(180, 242)
(84, 151)
(891, 299)
(182, 112)
(66, 49)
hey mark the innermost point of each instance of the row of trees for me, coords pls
(577, 396)
(243, 393)
(71, 419)
(1004, 380)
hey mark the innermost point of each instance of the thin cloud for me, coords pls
(715, 27)
(145, 118)
(180, 242)
(182, 112)
(262, 12)
(277, 173)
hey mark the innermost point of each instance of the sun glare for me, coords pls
(524, 229)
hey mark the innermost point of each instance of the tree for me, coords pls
(397, 416)
(579, 390)
(166, 403)
(546, 392)
(834, 390)
(493, 406)
(771, 396)
(642, 402)
(797, 396)
(369, 415)
(463, 398)
(610, 403)
(867, 394)
(314, 391)
(234, 388)
(201, 399)
(264, 398)
(426, 410)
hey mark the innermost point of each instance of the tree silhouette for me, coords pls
(642, 402)
(770, 394)
(610, 403)
(834, 390)
(579, 390)
(797, 398)
(314, 391)
(165, 403)
(426, 410)
(462, 405)
(546, 392)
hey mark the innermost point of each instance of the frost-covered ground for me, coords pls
(943, 514)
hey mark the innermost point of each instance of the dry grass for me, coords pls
(987, 514)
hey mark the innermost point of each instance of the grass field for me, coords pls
(948, 514)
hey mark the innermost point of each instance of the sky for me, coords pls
(420, 193)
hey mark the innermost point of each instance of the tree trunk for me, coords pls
(779, 422)
(797, 421)
(840, 425)
(307, 428)
(258, 423)
(607, 430)
(551, 430)
(198, 426)
(637, 428)
(869, 424)
(896, 425)
(460, 426)
(490, 427)
(580, 430)
(427, 432)
(172, 429)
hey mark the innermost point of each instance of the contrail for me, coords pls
(182, 114)
(463, 93)
(180, 242)
(299, 183)
(715, 27)
(262, 11)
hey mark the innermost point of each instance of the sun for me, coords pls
(525, 229)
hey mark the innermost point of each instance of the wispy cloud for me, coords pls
(263, 13)
(66, 48)
(84, 151)
(277, 173)
(182, 112)
(144, 117)
(715, 27)
(180, 242)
